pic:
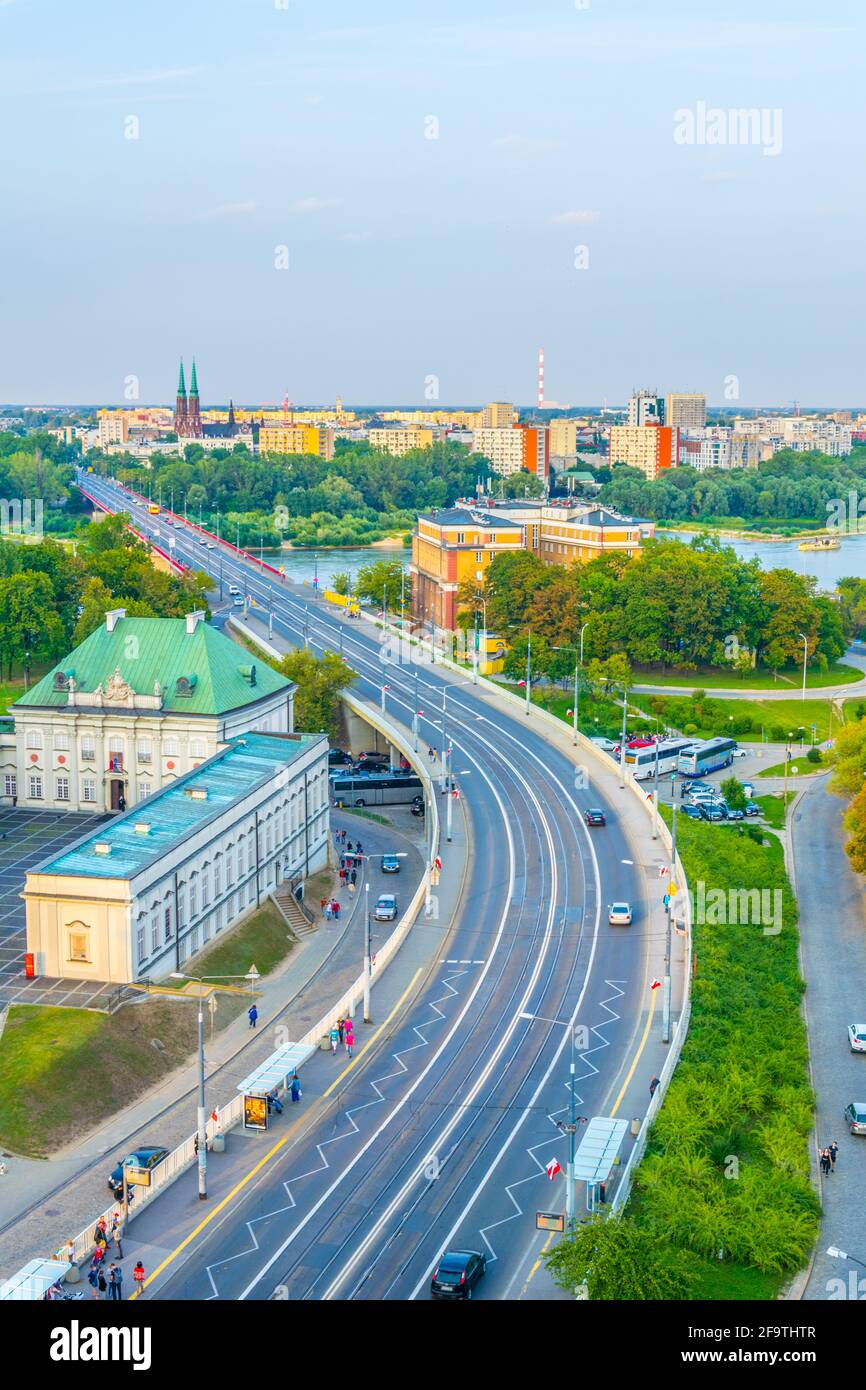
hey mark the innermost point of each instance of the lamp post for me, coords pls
(414, 713)
(787, 760)
(623, 738)
(805, 660)
(666, 997)
(528, 672)
(368, 931)
(568, 1127)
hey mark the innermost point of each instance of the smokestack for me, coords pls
(541, 378)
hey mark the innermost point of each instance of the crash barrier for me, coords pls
(178, 565)
(679, 1028)
(225, 1118)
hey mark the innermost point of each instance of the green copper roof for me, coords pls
(181, 384)
(193, 384)
(172, 815)
(150, 650)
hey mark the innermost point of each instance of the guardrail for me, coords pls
(184, 1156)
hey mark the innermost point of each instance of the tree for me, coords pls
(383, 579)
(320, 681)
(735, 796)
(618, 1260)
(342, 584)
(29, 624)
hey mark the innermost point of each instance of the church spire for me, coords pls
(193, 410)
(180, 407)
(181, 384)
(193, 384)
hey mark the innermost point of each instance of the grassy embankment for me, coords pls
(62, 1071)
(713, 679)
(727, 1165)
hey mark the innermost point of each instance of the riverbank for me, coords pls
(729, 533)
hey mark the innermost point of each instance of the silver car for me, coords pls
(857, 1037)
(386, 907)
(855, 1116)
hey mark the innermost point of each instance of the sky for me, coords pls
(401, 202)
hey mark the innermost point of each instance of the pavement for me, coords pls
(833, 948)
(783, 691)
(46, 1201)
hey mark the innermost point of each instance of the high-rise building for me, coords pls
(686, 409)
(113, 428)
(297, 439)
(499, 415)
(515, 448)
(399, 441)
(651, 448)
(563, 436)
(646, 408)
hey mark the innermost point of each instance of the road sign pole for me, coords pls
(367, 954)
(666, 999)
(202, 1131)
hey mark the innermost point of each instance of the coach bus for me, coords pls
(376, 789)
(702, 758)
(642, 764)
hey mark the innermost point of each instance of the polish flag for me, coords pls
(656, 984)
(552, 1168)
(663, 871)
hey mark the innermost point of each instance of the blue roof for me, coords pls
(173, 815)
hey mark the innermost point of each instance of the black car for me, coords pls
(693, 812)
(594, 816)
(417, 807)
(457, 1273)
(338, 758)
(382, 760)
(141, 1158)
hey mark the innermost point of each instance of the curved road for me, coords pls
(441, 1134)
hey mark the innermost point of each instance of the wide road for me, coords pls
(442, 1133)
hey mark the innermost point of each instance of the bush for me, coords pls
(689, 729)
(778, 733)
(814, 755)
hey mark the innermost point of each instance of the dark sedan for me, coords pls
(457, 1274)
(594, 816)
(141, 1158)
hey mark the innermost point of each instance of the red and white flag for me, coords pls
(663, 870)
(656, 984)
(553, 1168)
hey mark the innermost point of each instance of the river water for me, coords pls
(303, 566)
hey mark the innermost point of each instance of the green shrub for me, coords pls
(814, 755)
(689, 729)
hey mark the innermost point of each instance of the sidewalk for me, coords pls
(44, 1202)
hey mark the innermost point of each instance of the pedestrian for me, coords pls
(274, 1102)
(329, 911)
(117, 1234)
(67, 1253)
(296, 1088)
(349, 846)
(323, 903)
(93, 1280)
(431, 754)
(113, 1289)
(335, 908)
(341, 1028)
(252, 1014)
(653, 1084)
(138, 1276)
(350, 1037)
(359, 850)
(335, 1038)
(101, 1229)
(342, 878)
(98, 1253)
(101, 1281)
(825, 1162)
(833, 1150)
(353, 876)
(342, 861)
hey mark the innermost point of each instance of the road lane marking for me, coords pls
(369, 1043)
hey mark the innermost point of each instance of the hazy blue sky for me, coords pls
(304, 126)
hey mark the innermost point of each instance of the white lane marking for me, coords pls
(626, 861)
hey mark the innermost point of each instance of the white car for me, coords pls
(857, 1037)
(619, 914)
(605, 744)
(741, 752)
(234, 591)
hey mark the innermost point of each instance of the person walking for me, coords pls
(353, 877)
(296, 1088)
(138, 1276)
(101, 1281)
(350, 1037)
(323, 904)
(349, 846)
(833, 1151)
(93, 1280)
(252, 1015)
(341, 1028)
(335, 1038)
(335, 908)
(117, 1234)
(112, 1283)
(825, 1162)
(653, 1084)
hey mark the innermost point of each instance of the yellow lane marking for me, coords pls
(173, 1254)
(637, 1056)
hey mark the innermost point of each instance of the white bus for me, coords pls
(641, 762)
(375, 788)
(702, 758)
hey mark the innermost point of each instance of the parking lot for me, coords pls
(27, 837)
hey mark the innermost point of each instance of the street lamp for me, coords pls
(569, 1127)
(836, 1254)
(805, 659)
(201, 1125)
(368, 933)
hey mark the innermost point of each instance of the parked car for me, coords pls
(594, 816)
(752, 808)
(741, 752)
(711, 813)
(736, 814)
(457, 1274)
(417, 807)
(390, 864)
(857, 1037)
(141, 1158)
(386, 907)
(337, 757)
(855, 1116)
(619, 914)
(606, 745)
(375, 759)
(693, 812)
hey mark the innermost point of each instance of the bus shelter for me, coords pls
(31, 1283)
(275, 1072)
(598, 1151)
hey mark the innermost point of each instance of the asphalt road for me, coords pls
(444, 1132)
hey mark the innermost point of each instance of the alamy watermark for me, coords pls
(714, 125)
(21, 517)
(737, 907)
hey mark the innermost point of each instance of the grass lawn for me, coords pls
(62, 1071)
(838, 674)
(773, 811)
(787, 715)
(802, 765)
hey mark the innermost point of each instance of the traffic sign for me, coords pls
(549, 1221)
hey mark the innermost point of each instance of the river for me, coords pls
(827, 566)
(303, 566)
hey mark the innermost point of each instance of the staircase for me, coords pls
(295, 914)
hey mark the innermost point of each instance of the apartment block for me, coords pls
(646, 408)
(399, 441)
(514, 448)
(651, 448)
(499, 415)
(686, 410)
(113, 428)
(297, 439)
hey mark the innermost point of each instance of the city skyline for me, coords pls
(429, 185)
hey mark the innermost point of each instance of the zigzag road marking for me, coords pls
(592, 1070)
(324, 1165)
